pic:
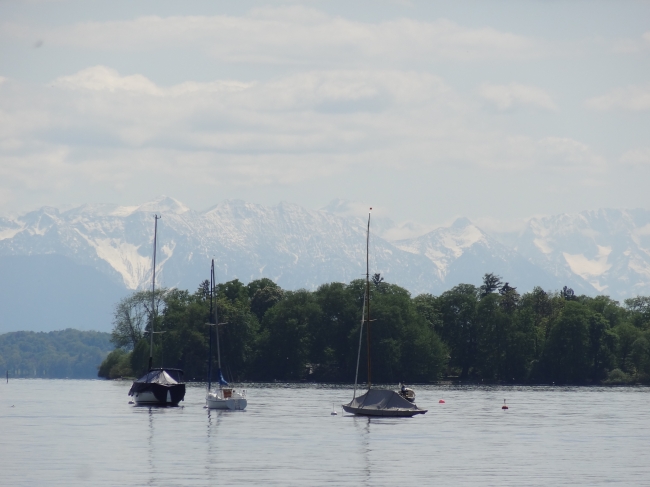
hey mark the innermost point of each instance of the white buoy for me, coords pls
(333, 413)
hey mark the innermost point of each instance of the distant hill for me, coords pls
(72, 354)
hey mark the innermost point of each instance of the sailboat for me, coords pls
(224, 397)
(377, 402)
(162, 386)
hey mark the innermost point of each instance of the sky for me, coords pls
(427, 111)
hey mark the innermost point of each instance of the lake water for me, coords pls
(75, 432)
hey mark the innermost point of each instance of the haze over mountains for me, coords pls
(62, 269)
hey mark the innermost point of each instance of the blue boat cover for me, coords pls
(222, 381)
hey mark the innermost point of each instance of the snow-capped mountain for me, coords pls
(291, 245)
(606, 251)
(463, 253)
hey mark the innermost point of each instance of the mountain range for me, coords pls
(62, 269)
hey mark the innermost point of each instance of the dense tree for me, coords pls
(286, 340)
(567, 349)
(56, 354)
(263, 294)
(458, 308)
(489, 334)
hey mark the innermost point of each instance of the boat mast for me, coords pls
(368, 295)
(216, 326)
(363, 319)
(153, 290)
(210, 326)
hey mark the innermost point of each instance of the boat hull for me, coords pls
(395, 413)
(159, 395)
(227, 399)
(229, 404)
(382, 402)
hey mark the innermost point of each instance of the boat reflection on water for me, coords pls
(362, 423)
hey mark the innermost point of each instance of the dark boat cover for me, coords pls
(160, 382)
(382, 402)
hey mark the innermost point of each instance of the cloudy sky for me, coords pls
(426, 110)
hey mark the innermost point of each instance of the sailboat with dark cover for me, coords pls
(162, 386)
(378, 402)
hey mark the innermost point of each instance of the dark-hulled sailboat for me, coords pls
(377, 402)
(162, 386)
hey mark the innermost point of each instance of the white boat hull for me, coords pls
(236, 402)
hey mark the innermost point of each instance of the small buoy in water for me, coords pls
(505, 406)
(442, 401)
(333, 413)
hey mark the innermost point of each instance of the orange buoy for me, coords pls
(505, 406)
(442, 401)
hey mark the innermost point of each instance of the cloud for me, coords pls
(631, 45)
(513, 94)
(290, 35)
(103, 133)
(636, 157)
(569, 154)
(632, 98)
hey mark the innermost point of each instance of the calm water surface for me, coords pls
(74, 432)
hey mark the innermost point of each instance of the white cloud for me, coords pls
(513, 94)
(568, 154)
(291, 35)
(631, 45)
(101, 78)
(632, 98)
(102, 132)
(637, 157)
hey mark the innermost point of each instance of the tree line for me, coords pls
(489, 333)
(60, 354)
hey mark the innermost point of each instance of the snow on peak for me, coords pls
(590, 269)
(164, 204)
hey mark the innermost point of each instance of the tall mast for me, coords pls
(216, 325)
(368, 295)
(153, 290)
(209, 326)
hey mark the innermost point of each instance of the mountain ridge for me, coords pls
(602, 251)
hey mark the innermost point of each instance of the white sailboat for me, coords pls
(223, 397)
(378, 402)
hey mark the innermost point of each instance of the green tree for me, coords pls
(639, 311)
(131, 316)
(568, 346)
(285, 340)
(626, 335)
(491, 283)
(333, 346)
(460, 327)
(264, 297)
